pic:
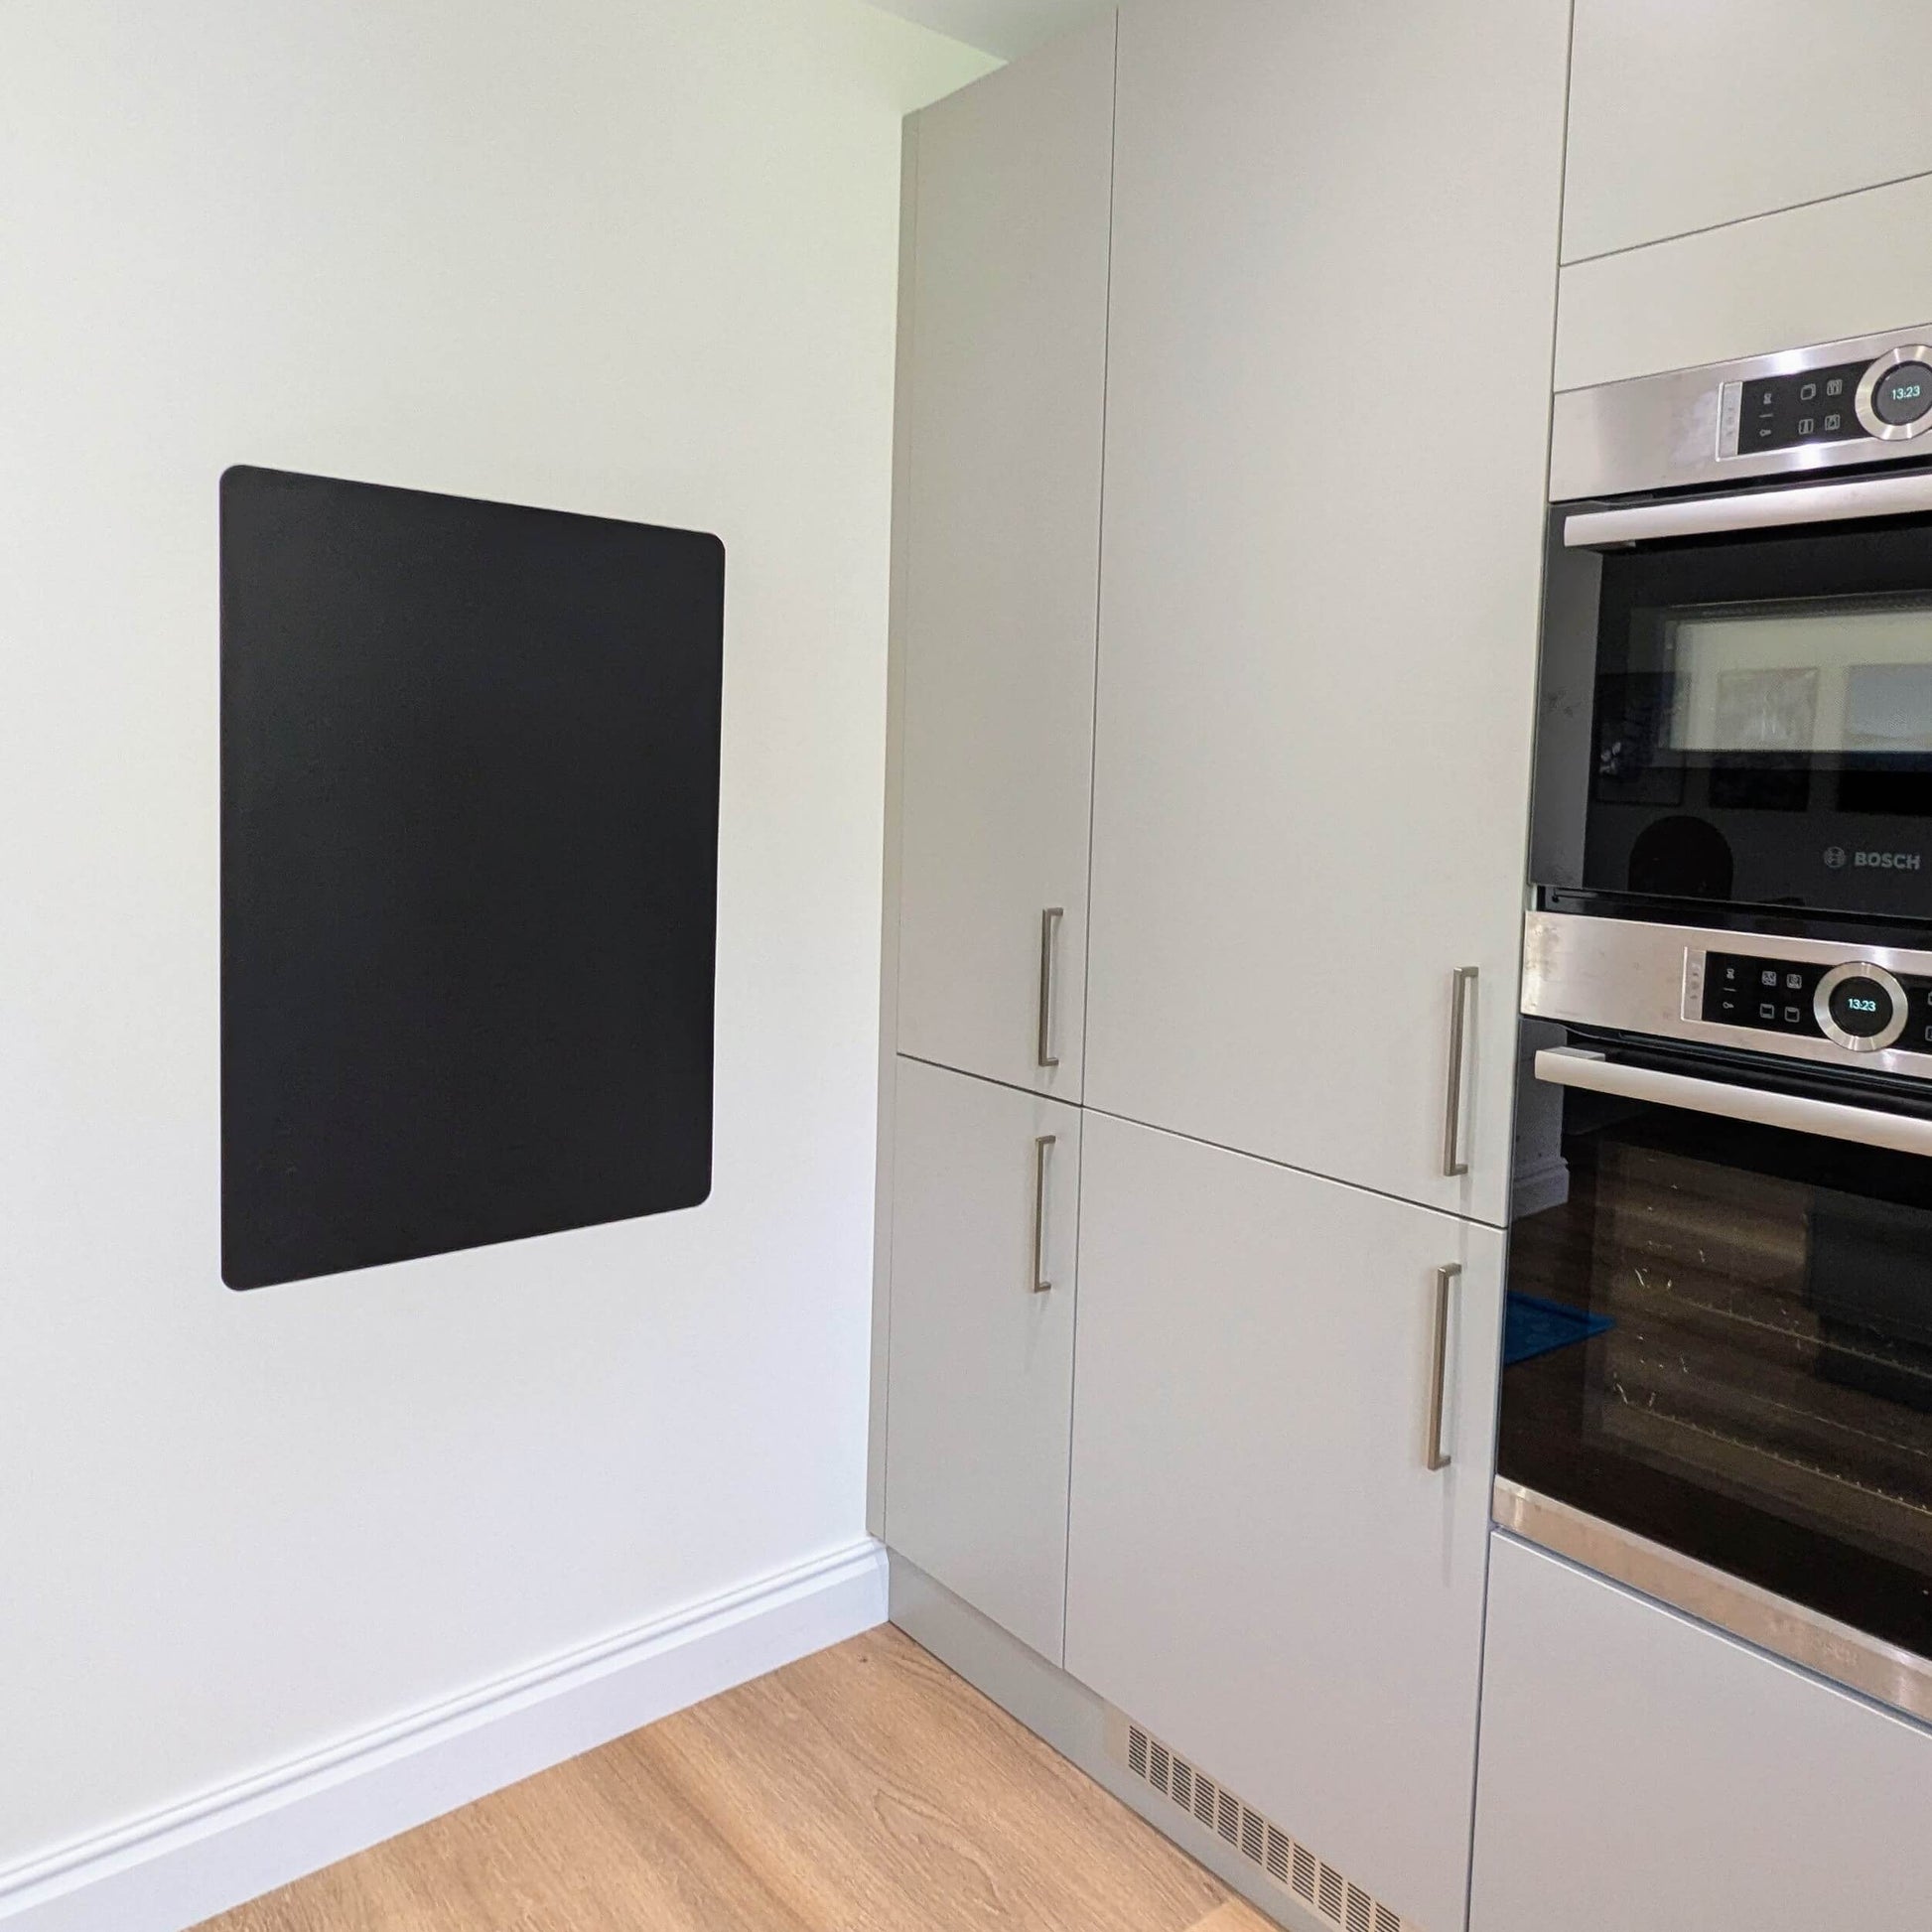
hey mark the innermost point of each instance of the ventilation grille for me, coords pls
(1283, 1859)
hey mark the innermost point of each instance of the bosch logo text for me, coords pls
(1836, 856)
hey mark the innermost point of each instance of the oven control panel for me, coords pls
(1887, 397)
(1829, 1002)
(1856, 1003)
(1864, 400)
(1779, 412)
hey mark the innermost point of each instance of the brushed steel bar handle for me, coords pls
(1764, 510)
(1576, 1066)
(1461, 983)
(1439, 1456)
(1042, 1146)
(1049, 930)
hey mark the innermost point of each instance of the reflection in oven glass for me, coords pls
(1854, 675)
(1888, 708)
(1764, 1344)
(1739, 1354)
(1767, 711)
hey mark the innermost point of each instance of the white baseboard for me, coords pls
(176, 1867)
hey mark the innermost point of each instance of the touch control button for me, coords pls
(1861, 1007)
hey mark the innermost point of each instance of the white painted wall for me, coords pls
(634, 257)
(1007, 28)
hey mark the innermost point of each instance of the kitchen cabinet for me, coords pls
(985, 1184)
(1683, 118)
(1002, 391)
(1640, 1769)
(1333, 284)
(1264, 1571)
(1813, 274)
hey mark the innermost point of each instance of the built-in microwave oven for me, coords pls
(1737, 681)
(1718, 1362)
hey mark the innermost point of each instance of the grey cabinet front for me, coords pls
(986, 1185)
(1001, 397)
(1683, 119)
(1328, 391)
(1638, 1769)
(1264, 1570)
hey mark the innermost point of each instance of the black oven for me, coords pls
(1738, 682)
(1718, 1355)
(1718, 1368)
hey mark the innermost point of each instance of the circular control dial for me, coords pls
(1861, 1007)
(1903, 394)
(1894, 397)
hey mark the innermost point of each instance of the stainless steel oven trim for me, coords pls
(1639, 978)
(1576, 1066)
(1906, 495)
(1667, 431)
(1859, 1662)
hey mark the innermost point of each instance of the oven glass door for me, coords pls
(1763, 708)
(1720, 1331)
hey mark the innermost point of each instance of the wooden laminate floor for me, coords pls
(865, 1789)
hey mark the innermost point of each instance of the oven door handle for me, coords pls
(1578, 1066)
(1762, 509)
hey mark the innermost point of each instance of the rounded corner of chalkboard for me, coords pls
(239, 1278)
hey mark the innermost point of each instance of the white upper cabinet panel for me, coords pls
(1683, 115)
(1335, 284)
(1814, 274)
(1004, 383)
(1640, 1770)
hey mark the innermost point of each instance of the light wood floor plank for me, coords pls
(1231, 1917)
(865, 1789)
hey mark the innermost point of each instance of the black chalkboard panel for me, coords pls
(469, 872)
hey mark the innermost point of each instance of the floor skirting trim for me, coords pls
(175, 1868)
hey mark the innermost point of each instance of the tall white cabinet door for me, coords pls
(999, 557)
(1329, 394)
(985, 1187)
(1263, 1570)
